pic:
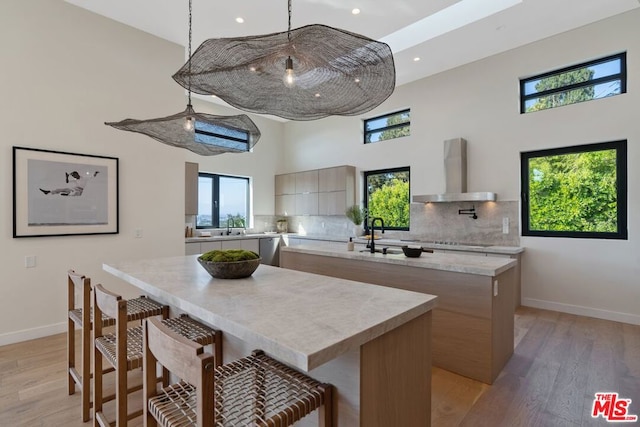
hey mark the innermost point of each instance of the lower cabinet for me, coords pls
(246, 244)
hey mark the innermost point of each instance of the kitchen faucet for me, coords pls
(229, 228)
(373, 232)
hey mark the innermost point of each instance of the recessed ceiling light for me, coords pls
(416, 59)
(239, 20)
(355, 11)
(317, 95)
(357, 80)
(213, 96)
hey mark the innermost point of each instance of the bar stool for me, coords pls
(80, 314)
(252, 391)
(123, 351)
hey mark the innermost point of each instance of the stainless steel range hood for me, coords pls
(455, 174)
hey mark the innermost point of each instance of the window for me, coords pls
(221, 136)
(583, 82)
(576, 191)
(389, 126)
(387, 197)
(222, 198)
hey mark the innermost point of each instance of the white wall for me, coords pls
(65, 72)
(479, 102)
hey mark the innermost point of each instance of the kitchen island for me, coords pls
(473, 321)
(373, 343)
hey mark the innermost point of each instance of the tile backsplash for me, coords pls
(429, 222)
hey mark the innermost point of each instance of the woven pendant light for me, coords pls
(204, 134)
(302, 74)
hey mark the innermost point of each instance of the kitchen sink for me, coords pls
(390, 251)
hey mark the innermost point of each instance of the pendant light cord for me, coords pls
(189, 79)
(289, 30)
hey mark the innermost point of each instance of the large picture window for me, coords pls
(389, 126)
(387, 197)
(601, 78)
(578, 191)
(222, 199)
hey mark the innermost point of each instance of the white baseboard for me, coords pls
(31, 334)
(633, 319)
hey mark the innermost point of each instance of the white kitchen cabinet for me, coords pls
(192, 248)
(210, 246)
(246, 244)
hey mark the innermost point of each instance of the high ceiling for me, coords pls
(443, 33)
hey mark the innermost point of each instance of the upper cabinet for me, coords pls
(285, 184)
(307, 182)
(190, 188)
(337, 189)
(316, 192)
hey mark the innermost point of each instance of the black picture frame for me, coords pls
(57, 193)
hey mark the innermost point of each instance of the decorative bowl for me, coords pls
(230, 270)
(412, 252)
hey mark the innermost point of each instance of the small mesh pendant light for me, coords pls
(306, 73)
(204, 134)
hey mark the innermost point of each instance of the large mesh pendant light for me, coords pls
(306, 73)
(204, 134)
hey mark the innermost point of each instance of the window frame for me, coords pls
(385, 128)
(621, 190)
(365, 203)
(215, 199)
(622, 76)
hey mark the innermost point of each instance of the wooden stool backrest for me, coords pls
(82, 283)
(184, 358)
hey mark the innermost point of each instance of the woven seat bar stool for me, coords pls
(123, 351)
(80, 315)
(252, 391)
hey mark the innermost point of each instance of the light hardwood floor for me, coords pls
(560, 362)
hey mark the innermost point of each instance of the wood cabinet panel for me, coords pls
(472, 328)
(332, 179)
(285, 204)
(191, 188)
(332, 203)
(306, 204)
(285, 184)
(307, 182)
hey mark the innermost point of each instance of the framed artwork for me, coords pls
(62, 194)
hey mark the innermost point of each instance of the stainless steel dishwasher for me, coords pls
(270, 250)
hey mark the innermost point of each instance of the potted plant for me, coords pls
(282, 225)
(356, 215)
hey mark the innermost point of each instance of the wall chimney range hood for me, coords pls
(455, 174)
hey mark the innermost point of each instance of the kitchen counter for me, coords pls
(216, 238)
(485, 249)
(373, 343)
(480, 265)
(473, 320)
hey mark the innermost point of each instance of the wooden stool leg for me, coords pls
(97, 386)
(86, 372)
(325, 412)
(71, 354)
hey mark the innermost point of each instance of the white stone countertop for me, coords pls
(216, 237)
(470, 247)
(471, 264)
(299, 318)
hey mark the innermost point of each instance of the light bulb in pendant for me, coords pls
(289, 76)
(189, 123)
